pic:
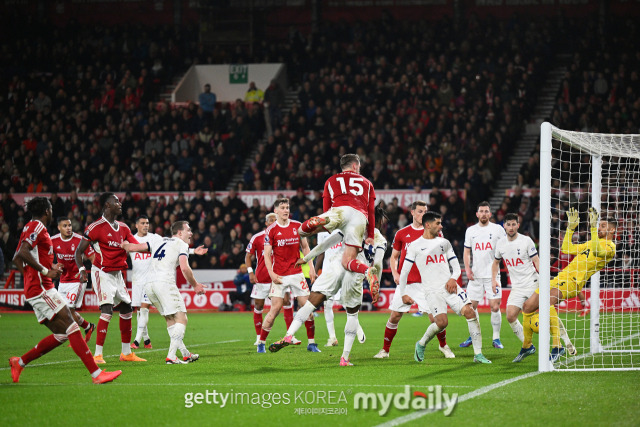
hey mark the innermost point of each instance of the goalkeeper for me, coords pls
(590, 257)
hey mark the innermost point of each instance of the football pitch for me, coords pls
(233, 385)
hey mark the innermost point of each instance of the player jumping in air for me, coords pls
(349, 205)
(590, 257)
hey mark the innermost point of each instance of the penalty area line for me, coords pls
(475, 393)
(142, 351)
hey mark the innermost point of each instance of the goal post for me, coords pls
(583, 170)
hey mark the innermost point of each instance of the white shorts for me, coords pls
(340, 285)
(72, 293)
(416, 292)
(109, 287)
(439, 299)
(477, 289)
(350, 221)
(138, 295)
(47, 304)
(296, 283)
(260, 290)
(165, 297)
(520, 294)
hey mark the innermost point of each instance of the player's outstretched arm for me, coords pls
(188, 274)
(602, 248)
(201, 250)
(573, 219)
(135, 247)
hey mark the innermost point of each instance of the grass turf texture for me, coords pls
(154, 393)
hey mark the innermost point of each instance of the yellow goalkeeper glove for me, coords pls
(593, 218)
(573, 217)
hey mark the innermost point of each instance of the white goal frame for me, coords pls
(548, 133)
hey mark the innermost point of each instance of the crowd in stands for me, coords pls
(425, 106)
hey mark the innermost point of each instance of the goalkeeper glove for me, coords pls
(593, 218)
(573, 217)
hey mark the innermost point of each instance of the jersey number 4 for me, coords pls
(159, 252)
(354, 184)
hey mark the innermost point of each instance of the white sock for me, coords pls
(475, 334)
(95, 373)
(183, 349)
(332, 240)
(126, 348)
(170, 330)
(431, 332)
(350, 331)
(496, 322)
(328, 317)
(144, 320)
(140, 326)
(301, 316)
(21, 363)
(517, 329)
(176, 337)
(98, 351)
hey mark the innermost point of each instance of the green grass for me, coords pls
(154, 393)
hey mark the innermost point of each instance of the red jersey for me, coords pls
(401, 242)
(285, 243)
(351, 189)
(65, 251)
(109, 255)
(256, 248)
(37, 236)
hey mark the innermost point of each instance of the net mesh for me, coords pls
(617, 324)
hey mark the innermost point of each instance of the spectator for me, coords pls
(243, 288)
(207, 101)
(253, 94)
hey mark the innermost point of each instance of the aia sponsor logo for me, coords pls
(482, 246)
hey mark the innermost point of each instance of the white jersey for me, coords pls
(517, 256)
(334, 252)
(482, 241)
(141, 261)
(165, 258)
(432, 257)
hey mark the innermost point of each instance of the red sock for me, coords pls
(357, 267)
(84, 324)
(311, 328)
(47, 344)
(125, 327)
(288, 316)
(103, 325)
(264, 333)
(442, 338)
(389, 333)
(80, 348)
(257, 320)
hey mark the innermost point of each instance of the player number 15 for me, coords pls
(355, 187)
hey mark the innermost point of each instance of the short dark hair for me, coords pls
(280, 201)
(104, 198)
(611, 220)
(512, 217)
(62, 218)
(482, 204)
(430, 216)
(177, 226)
(38, 206)
(348, 159)
(417, 203)
(141, 217)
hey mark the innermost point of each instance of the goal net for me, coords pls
(582, 171)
